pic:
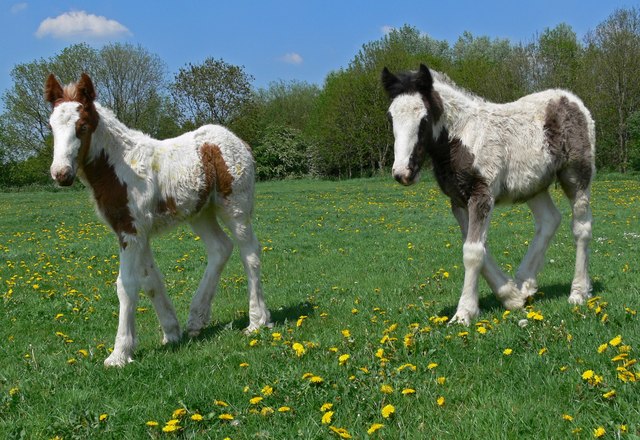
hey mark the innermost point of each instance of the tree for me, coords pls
(26, 111)
(211, 92)
(558, 56)
(130, 81)
(613, 56)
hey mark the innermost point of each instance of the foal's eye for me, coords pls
(83, 128)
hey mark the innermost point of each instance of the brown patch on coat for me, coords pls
(168, 206)
(111, 196)
(216, 173)
(567, 133)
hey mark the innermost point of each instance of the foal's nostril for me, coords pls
(64, 177)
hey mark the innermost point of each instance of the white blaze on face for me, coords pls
(407, 111)
(66, 144)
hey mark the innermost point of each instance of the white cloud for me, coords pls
(292, 58)
(80, 24)
(19, 7)
(386, 29)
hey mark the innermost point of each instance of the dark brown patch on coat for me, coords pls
(453, 168)
(168, 206)
(567, 134)
(110, 195)
(216, 173)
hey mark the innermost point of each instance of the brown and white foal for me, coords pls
(141, 186)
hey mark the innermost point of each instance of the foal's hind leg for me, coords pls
(240, 226)
(219, 248)
(547, 219)
(581, 226)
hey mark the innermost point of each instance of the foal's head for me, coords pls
(415, 109)
(73, 121)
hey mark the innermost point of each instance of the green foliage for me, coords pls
(368, 256)
(282, 153)
(212, 92)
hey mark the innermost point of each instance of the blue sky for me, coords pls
(302, 40)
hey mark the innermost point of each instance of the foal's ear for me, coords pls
(389, 81)
(85, 89)
(424, 79)
(52, 90)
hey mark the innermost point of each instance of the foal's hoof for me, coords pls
(463, 317)
(578, 298)
(117, 360)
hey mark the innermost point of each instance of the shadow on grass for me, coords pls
(489, 303)
(279, 316)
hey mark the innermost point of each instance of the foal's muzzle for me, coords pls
(406, 177)
(64, 176)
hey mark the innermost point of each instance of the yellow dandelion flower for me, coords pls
(307, 375)
(276, 336)
(587, 375)
(327, 417)
(267, 390)
(409, 366)
(197, 417)
(316, 380)
(567, 417)
(342, 433)
(253, 343)
(173, 422)
(432, 365)
(266, 411)
(346, 333)
(440, 401)
(542, 351)
(609, 394)
(380, 353)
(599, 432)
(388, 411)
(301, 320)
(244, 364)
(103, 417)
(374, 427)
(343, 359)
(255, 400)
(441, 380)
(170, 428)
(220, 403)
(225, 417)
(482, 330)
(326, 407)
(152, 423)
(386, 389)
(284, 409)
(354, 311)
(507, 352)
(299, 349)
(333, 349)
(178, 413)
(13, 391)
(463, 334)
(408, 391)
(616, 341)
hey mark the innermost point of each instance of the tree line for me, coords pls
(338, 129)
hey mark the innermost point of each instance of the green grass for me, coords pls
(367, 256)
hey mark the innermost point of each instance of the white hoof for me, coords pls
(511, 297)
(529, 288)
(579, 293)
(172, 338)
(118, 360)
(464, 317)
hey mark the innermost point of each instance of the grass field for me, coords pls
(360, 277)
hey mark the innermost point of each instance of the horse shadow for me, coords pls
(489, 303)
(280, 316)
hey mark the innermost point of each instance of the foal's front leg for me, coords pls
(473, 250)
(128, 286)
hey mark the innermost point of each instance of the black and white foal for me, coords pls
(485, 153)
